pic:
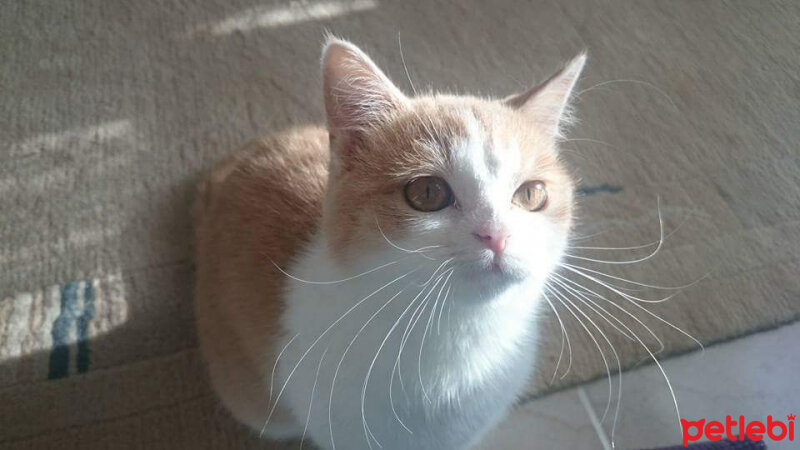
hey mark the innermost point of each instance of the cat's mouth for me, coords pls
(484, 268)
(502, 270)
(498, 269)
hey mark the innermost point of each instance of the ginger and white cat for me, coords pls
(376, 284)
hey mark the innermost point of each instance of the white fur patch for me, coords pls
(466, 337)
(474, 362)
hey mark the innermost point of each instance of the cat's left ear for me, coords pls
(546, 103)
(357, 93)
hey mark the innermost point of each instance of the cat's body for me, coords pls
(250, 213)
(472, 365)
(416, 318)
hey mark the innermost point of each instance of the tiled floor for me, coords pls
(754, 376)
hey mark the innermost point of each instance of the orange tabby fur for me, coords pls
(265, 201)
(262, 205)
(377, 167)
(259, 205)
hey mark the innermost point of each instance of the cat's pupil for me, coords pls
(428, 194)
(529, 193)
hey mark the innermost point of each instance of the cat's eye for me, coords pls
(428, 194)
(531, 196)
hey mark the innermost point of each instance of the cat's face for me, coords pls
(472, 181)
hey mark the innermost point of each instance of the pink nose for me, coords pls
(496, 242)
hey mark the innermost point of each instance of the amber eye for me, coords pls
(428, 194)
(531, 196)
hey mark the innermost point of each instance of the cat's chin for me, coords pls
(497, 271)
(489, 279)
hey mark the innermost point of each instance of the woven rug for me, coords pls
(110, 111)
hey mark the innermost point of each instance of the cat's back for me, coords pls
(259, 206)
(277, 181)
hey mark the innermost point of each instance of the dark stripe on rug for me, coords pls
(601, 188)
(59, 353)
(84, 353)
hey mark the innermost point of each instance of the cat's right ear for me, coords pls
(357, 94)
(546, 103)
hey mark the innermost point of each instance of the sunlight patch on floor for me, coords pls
(64, 315)
(59, 247)
(80, 137)
(296, 12)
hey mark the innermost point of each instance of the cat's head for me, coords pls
(475, 180)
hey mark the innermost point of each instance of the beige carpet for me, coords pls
(110, 110)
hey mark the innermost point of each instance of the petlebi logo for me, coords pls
(738, 430)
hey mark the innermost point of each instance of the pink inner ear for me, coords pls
(357, 94)
(516, 101)
(546, 102)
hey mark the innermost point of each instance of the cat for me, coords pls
(377, 284)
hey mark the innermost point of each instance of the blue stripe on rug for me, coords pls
(59, 353)
(592, 190)
(84, 353)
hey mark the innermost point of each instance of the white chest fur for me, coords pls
(385, 360)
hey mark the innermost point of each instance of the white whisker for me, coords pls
(275, 365)
(652, 286)
(380, 347)
(341, 360)
(634, 247)
(302, 357)
(418, 251)
(616, 289)
(595, 141)
(663, 373)
(644, 83)
(441, 289)
(412, 323)
(441, 309)
(391, 378)
(639, 321)
(633, 261)
(563, 335)
(433, 275)
(619, 372)
(619, 390)
(634, 300)
(567, 303)
(311, 397)
(647, 349)
(573, 238)
(405, 67)
(369, 372)
(425, 333)
(594, 306)
(335, 281)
